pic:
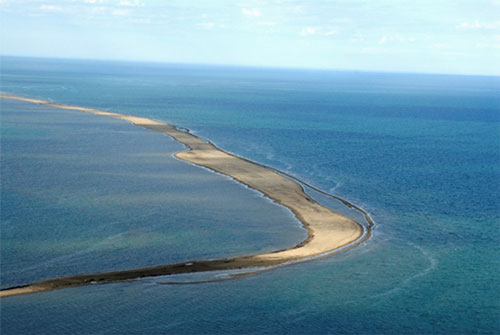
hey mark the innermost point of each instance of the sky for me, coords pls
(437, 36)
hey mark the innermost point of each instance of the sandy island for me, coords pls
(327, 230)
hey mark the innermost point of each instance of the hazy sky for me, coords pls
(441, 36)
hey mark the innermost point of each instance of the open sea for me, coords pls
(85, 193)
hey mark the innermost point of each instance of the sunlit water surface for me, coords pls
(86, 193)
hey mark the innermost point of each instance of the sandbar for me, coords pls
(328, 230)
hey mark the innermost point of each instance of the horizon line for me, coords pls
(299, 68)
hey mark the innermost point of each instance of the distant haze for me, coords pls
(445, 36)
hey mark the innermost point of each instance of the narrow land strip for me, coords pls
(327, 230)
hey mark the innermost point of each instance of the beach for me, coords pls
(328, 230)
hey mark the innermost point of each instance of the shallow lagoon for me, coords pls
(84, 193)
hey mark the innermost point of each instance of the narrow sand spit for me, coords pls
(328, 231)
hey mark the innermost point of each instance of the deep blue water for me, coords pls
(421, 153)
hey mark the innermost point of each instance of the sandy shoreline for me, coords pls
(327, 230)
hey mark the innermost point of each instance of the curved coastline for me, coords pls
(328, 231)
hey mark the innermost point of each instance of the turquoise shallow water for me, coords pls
(419, 152)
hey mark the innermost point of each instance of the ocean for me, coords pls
(85, 193)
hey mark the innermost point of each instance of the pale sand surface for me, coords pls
(327, 230)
